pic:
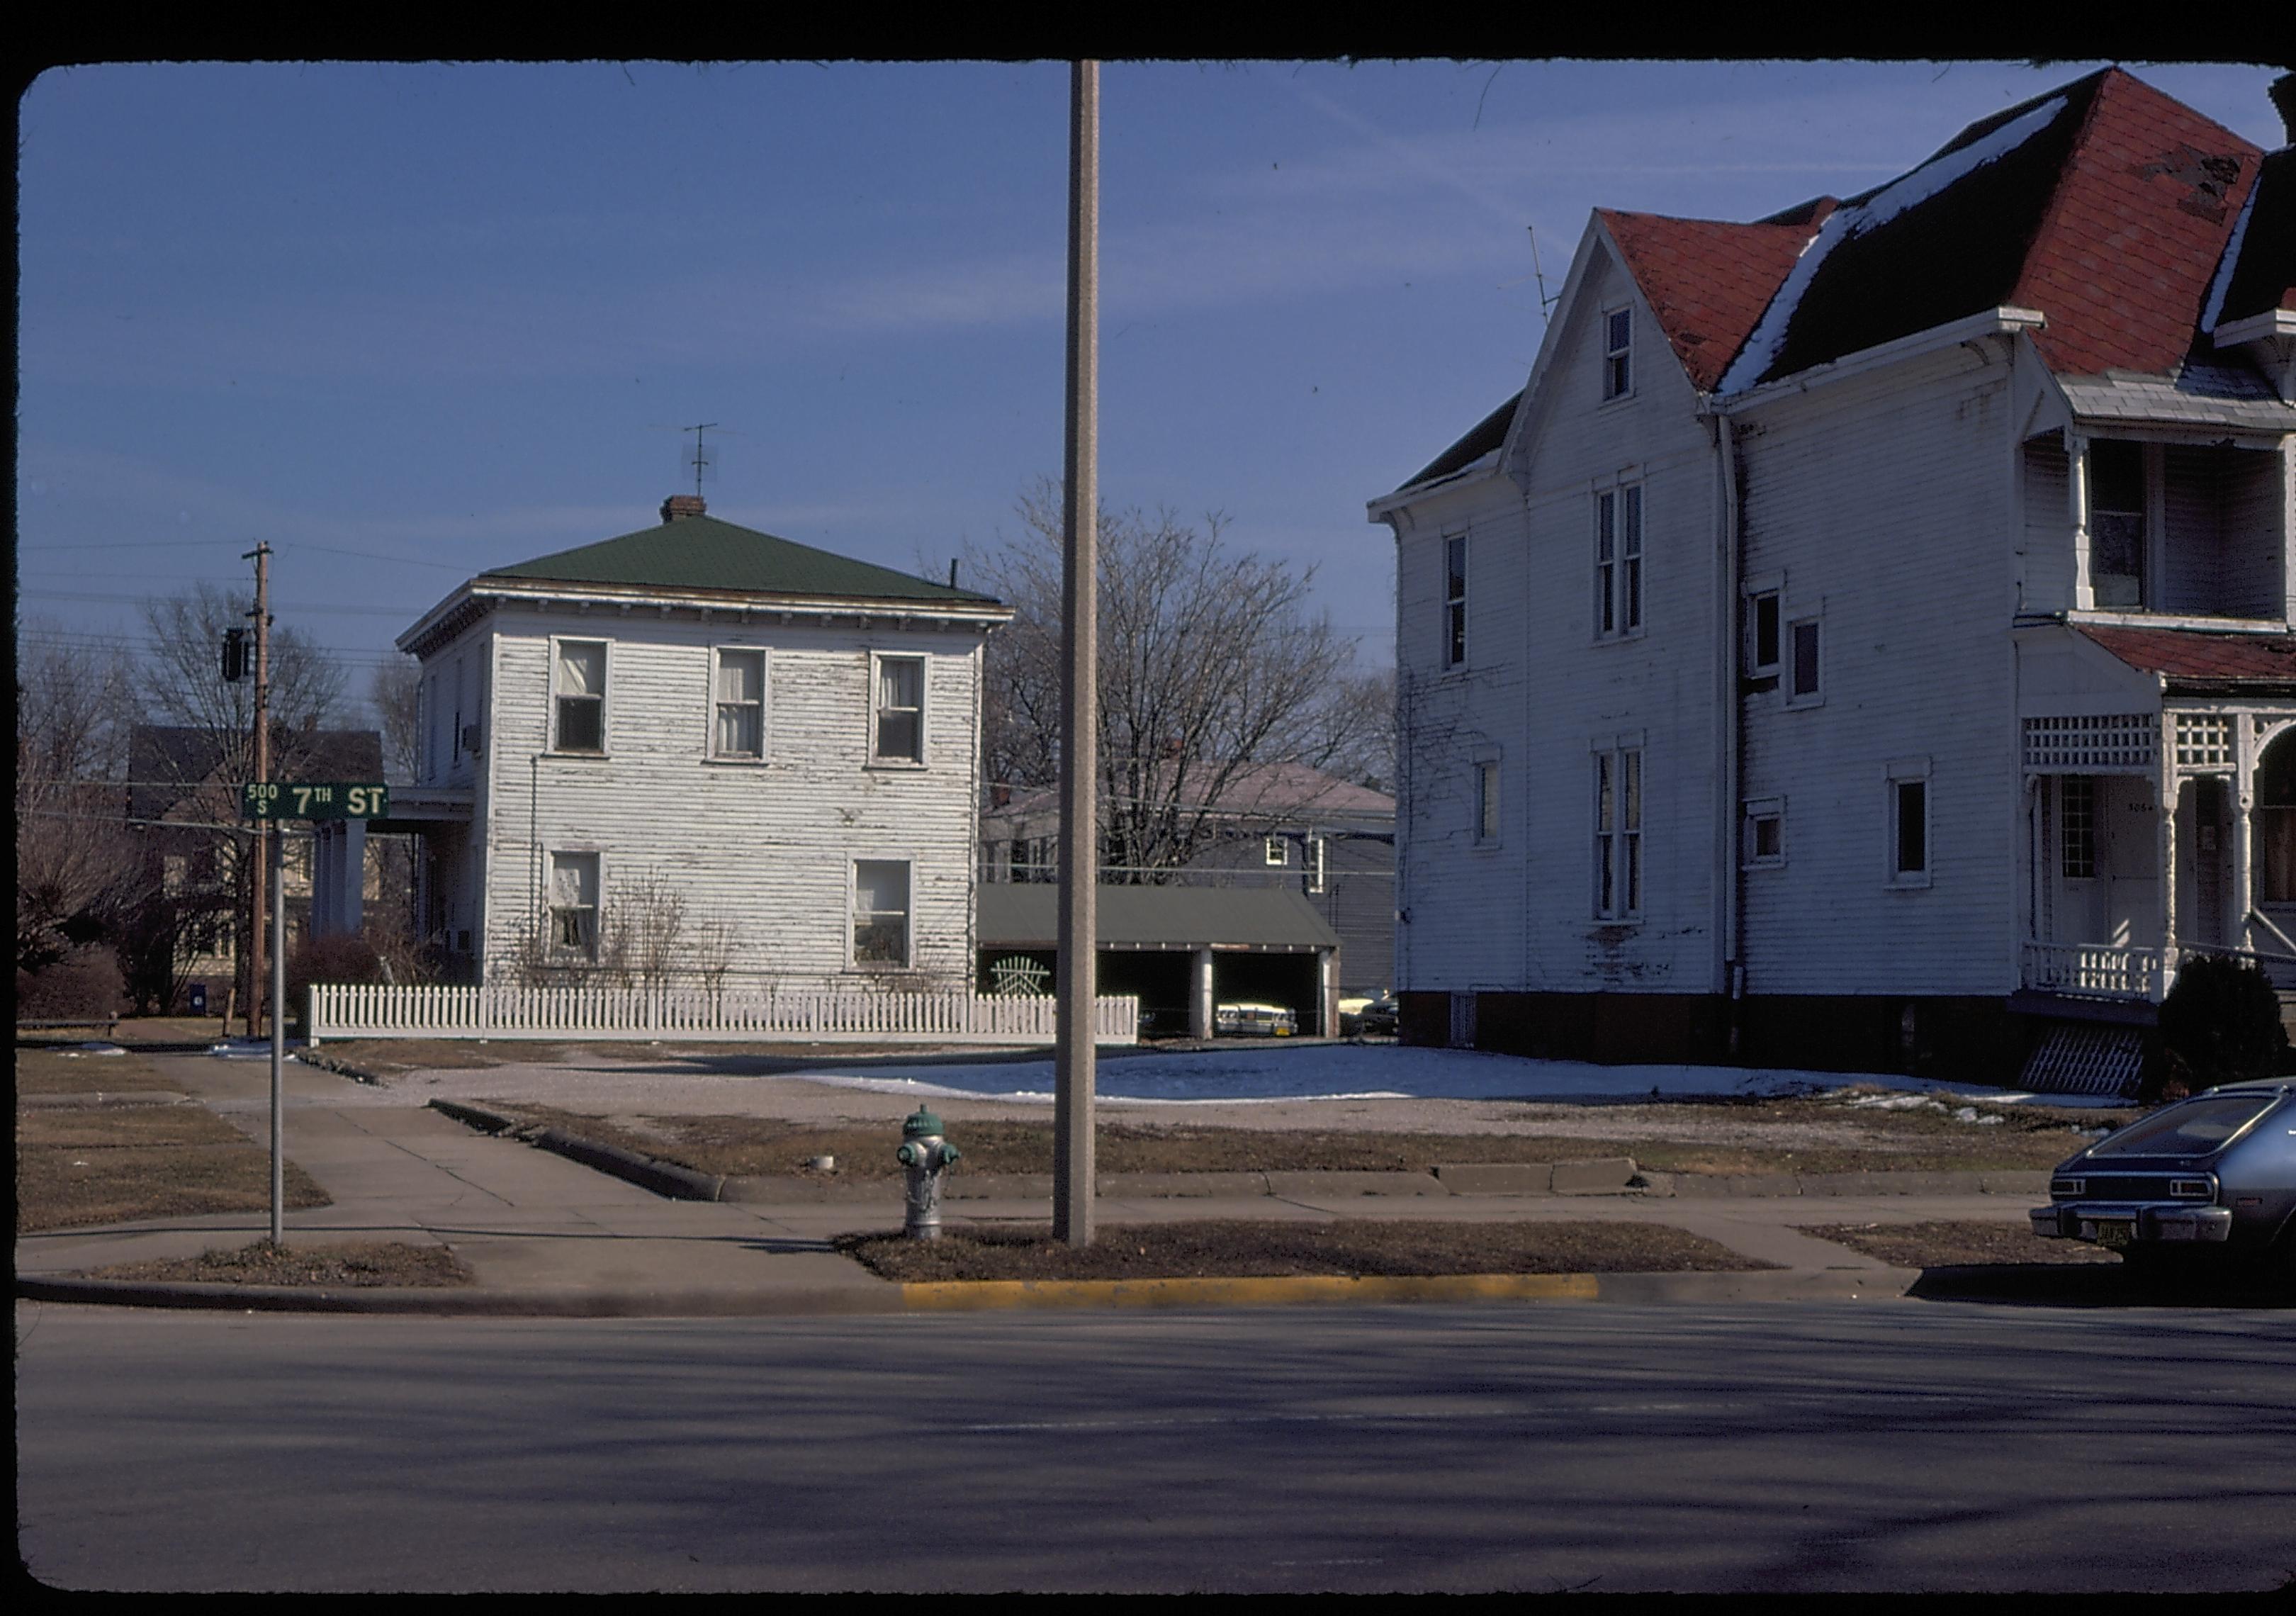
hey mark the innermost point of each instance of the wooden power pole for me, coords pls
(1078, 940)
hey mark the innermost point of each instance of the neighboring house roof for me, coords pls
(2106, 205)
(166, 762)
(703, 552)
(1256, 791)
(1707, 281)
(1027, 916)
(2211, 393)
(2189, 656)
(1486, 434)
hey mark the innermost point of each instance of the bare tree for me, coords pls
(396, 696)
(1209, 664)
(72, 838)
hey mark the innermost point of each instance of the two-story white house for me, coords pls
(769, 752)
(1865, 643)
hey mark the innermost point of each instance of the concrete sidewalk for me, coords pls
(547, 1235)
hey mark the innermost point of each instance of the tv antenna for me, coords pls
(702, 460)
(1545, 302)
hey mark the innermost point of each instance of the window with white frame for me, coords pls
(579, 684)
(1274, 850)
(1487, 800)
(738, 730)
(1763, 637)
(881, 912)
(1765, 832)
(898, 734)
(574, 905)
(1454, 600)
(1619, 561)
(1909, 823)
(1617, 357)
(1802, 668)
(2117, 507)
(1618, 834)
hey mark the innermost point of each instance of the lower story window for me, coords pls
(1618, 834)
(881, 912)
(574, 903)
(1909, 825)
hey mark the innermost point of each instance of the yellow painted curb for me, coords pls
(953, 1295)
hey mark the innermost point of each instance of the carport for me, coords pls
(1181, 949)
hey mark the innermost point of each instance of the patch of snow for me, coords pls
(101, 1048)
(1761, 349)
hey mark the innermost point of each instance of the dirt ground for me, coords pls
(1823, 1134)
(1941, 1244)
(101, 1139)
(1249, 1250)
(354, 1265)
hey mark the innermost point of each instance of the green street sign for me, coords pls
(295, 800)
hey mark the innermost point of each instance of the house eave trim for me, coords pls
(2255, 328)
(1993, 322)
(1481, 466)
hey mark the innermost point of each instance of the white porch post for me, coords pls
(2076, 496)
(2243, 801)
(1200, 996)
(2167, 792)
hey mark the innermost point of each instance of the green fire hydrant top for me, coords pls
(920, 1123)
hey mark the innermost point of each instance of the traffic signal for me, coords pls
(234, 655)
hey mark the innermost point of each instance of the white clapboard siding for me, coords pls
(692, 1015)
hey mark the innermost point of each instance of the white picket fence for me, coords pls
(693, 1016)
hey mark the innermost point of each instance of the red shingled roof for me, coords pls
(1707, 280)
(2128, 246)
(2197, 655)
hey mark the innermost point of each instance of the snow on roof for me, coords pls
(1854, 220)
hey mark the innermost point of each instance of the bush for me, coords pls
(2220, 1023)
(343, 957)
(84, 982)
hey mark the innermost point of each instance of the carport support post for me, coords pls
(1072, 1055)
(1200, 996)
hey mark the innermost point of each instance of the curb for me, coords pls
(810, 1301)
(664, 1178)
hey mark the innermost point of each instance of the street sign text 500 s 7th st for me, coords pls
(292, 800)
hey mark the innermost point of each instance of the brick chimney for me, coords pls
(678, 507)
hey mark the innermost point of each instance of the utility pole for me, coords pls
(262, 556)
(1078, 939)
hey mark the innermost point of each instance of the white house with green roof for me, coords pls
(770, 752)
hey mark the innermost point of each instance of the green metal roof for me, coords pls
(703, 552)
(1027, 915)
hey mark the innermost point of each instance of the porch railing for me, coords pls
(694, 1015)
(2099, 970)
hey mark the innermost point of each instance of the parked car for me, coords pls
(1249, 1018)
(1379, 1017)
(2215, 1173)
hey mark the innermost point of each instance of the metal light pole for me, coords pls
(1073, 1058)
(278, 873)
(262, 556)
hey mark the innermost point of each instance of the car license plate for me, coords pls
(2114, 1233)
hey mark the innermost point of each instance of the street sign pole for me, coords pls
(278, 1034)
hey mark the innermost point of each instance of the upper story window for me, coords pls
(1275, 850)
(1454, 600)
(1762, 633)
(899, 730)
(1619, 561)
(739, 730)
(1802, 688)
(1618, 354)
(2117, 506)
(579, 685)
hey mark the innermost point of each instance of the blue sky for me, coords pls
(405, 322)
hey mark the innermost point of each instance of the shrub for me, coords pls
(84, 982)
(2220, 1023)
(343, 957)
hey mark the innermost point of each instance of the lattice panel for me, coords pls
(2110, 743)
(2203, 741)
(2082, 1058)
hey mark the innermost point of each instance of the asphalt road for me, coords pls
(1889, 1445)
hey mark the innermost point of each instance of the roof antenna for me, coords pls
(1545, 302)
(703, 461)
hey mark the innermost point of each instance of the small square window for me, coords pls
(1275, 850)
(1765, 833)
(900, 722)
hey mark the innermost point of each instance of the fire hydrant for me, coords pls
(925, 1155)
